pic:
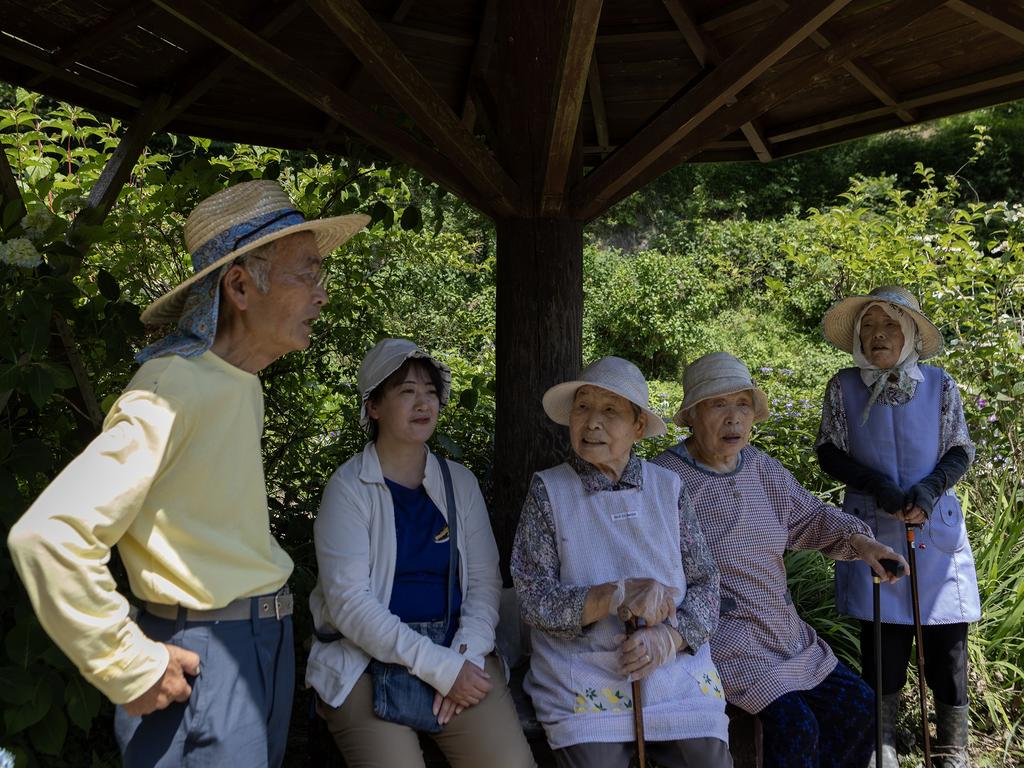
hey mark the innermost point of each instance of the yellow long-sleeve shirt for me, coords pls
(175, 480)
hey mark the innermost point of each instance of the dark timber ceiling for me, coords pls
(642, 85)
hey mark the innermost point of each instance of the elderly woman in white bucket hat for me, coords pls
(407, 594)
(606, 537)
(894, 431)
(813, 709)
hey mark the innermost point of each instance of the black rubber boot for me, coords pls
(952, 725)
(890, 713)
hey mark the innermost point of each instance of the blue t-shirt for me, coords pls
(419, 590)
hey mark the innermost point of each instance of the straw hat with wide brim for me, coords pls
(236, 220)
(714, 375)
(618, 376)
(841, 317)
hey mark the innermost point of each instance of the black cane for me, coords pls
(922, 690)
(638, 710)
(876, 595)
(894, 567)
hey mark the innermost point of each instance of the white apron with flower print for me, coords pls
(576, 689)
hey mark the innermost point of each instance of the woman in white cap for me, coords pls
(894, 432)
(406, 600)
(603, 538)
(813, 709)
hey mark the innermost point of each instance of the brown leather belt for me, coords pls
(275, 606)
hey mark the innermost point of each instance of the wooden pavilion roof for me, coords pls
(640, 86)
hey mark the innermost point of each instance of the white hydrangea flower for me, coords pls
(37, 223)
(20, 252)
(6, 758)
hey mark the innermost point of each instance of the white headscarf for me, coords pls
(905, 370)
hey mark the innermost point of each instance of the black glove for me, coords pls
(951, 467)
(840, 465)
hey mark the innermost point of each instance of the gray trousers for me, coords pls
(241, 701)
(686, 753)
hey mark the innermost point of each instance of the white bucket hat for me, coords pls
(718, 373)
(386, 357)
(841, 317)
(236, 220)
(618, 376)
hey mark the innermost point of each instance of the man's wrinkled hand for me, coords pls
(172, 685)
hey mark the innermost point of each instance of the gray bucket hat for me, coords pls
(618, 376)
(386, 357)
(718, 373)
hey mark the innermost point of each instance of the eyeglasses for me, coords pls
(311, 279)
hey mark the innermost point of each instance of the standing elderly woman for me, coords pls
(814, 711)
(405, 621)
(894, 432)
(606, 537)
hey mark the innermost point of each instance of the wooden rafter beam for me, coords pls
(979, 83)
(207, 68)
(116, 91)
(417, 98)
(400, 12)
(761, 96)
(755, 136)
(689, 30)
(706, 52)
(481, 60)
(728, 12)
(694, 106)
(597, 106)
(862, 71)
(311, 86)
(128, 16)
(1001, 16)
(570, 84)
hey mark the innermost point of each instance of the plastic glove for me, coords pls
(649, 600)
(645, 650)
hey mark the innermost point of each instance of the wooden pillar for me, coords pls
(539, 334)
(539, 261)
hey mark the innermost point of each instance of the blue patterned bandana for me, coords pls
(197, 324)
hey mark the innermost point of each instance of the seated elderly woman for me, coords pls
(813, 709)
(606, 537)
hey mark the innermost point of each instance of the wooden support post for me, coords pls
(539, 344)
(539, 264)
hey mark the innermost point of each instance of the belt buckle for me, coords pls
(283, 604)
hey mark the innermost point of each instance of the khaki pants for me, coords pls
(485, 735)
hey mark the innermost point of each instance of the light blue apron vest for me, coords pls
(902, 442)
(574, 683)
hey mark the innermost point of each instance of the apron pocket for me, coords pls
(596, 684)
(945, 528)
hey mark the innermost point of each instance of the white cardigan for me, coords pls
(355, 540)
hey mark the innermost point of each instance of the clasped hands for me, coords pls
(654, 644)
(469, 688)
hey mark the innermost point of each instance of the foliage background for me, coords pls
(738, 257)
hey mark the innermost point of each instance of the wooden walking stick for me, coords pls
(922, 690)
(638, 710)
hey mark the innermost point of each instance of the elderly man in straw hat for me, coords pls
(204, 674)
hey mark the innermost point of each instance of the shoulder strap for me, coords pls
(453, 545)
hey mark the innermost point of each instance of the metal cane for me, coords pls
(638, 710)
(912, 559)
